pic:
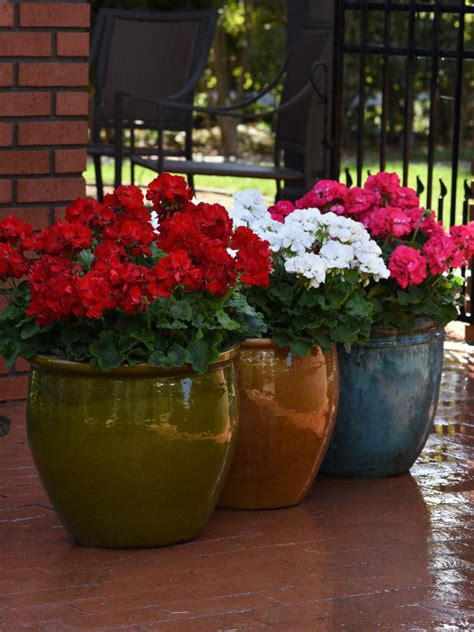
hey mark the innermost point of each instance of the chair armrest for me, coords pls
(160, 104)
(229, 110)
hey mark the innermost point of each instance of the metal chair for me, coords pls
(301, 143)
(154, 55)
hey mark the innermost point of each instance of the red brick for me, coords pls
(54, 74)
(60, 213)
(6, 134)
(38, 14)
(24, 162)
(72, 104)
(7, 14)
(50, 189)
(6, 75)
(25, 104)
(5, 191)
(3, 367)
(13, 388)
(38, 217)
(22, 366)
(70, 160)
(52, 133)
(25, 44)
(72, 44)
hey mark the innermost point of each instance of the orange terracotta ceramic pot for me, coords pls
(288, 408)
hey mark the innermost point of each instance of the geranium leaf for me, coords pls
(226, 322)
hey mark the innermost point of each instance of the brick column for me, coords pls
(44, 50)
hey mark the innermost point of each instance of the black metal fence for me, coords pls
(414, 55)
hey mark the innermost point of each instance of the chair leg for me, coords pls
(278, 190)
(190, 179)
(98, 178)
(188, 154)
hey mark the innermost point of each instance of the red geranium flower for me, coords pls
(61, 238)
(52, 284)
(130, 197)
(253, 258)
(176, 269)
(169, 193)
(213, 220)
(12, 262)
(14, 230)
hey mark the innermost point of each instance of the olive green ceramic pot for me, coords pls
(135, 457)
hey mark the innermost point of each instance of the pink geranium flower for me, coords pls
(281, 209)
(388, 221)
(438, 251)
(407, 266)
(329, 195)
(359, 201)
(463, 237)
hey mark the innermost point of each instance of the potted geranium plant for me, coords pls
(390, 384)
(289, 381)
(131, 332)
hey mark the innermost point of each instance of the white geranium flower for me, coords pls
(292, 237)
(250, 199)
(340, 242)
(310, 266)
(154, 221)
(371, 263)
(337, 254)
(346, 230)
(249, 207)
(307, 219)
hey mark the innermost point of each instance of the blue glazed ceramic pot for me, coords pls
(389, 394)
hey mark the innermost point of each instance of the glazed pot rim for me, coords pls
(53, 364)
(258, 343)
(422, 325)
(267, 343)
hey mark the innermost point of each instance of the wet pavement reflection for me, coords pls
(362, 555)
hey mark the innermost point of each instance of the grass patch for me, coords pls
(231, 185)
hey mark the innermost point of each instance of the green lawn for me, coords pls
(267, 187)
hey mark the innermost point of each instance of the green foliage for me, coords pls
(298, 317)
(438, 298)
(190, 329)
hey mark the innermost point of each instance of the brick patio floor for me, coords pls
(392, 554)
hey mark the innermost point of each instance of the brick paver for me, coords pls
(393, 554)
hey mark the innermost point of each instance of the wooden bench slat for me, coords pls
(208, 168)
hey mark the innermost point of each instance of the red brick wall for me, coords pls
(43, 119)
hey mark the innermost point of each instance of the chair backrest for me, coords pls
(300, 129)
(152, 54)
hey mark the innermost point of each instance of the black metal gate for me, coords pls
(412, 55)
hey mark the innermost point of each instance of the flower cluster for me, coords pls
(106, 263)
(416, 243)
(419, 253)
(309, 243)
(322, 261)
